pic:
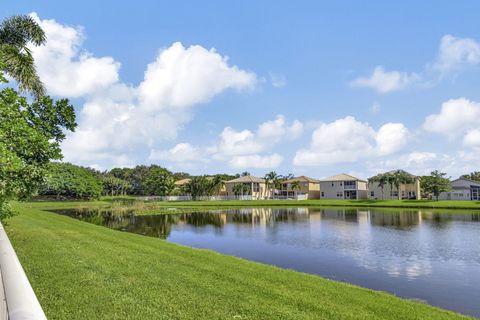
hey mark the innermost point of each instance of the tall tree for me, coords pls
(30, 136)
(159, 181)
(475, 176)
(271, 180)
(16, 59)
(435, 183)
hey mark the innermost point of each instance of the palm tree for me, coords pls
(16, 59)
(271, 179)
(295, 185)
(381, 180)
(401, 177)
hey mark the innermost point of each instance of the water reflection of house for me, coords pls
(254, 187)
(462, 189)
(302, 186)
(343, 186)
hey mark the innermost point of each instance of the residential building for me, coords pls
(254, 186)
(301, 187)
(390, 192)
(343, 186)
(462, 189)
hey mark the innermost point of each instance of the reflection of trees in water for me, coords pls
(200, 219)
(397, 219)
(158, 226)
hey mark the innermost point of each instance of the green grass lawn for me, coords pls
(84, 271)
(442, 204)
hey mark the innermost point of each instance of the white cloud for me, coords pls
(348, 140)
(278, 80)
(65, 68)
(118, 119)
(181, 77)
(456, 52)
(182, 152)
(246, 142)
(417, 162)
(256, 161)
(455, 118)
(472, 138)
(391, 138)
(386, 81)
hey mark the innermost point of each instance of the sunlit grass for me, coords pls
(83, 271)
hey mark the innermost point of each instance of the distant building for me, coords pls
(388, 192)
(343, 186)
(256, 187)
(308, 188)
(462, 189)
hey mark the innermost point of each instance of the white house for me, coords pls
(462, 189)
(343, 186)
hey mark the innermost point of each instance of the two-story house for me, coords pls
(301, 187)
(343, 186)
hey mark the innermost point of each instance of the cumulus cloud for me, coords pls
(472, 138)
(246, 142)
(348, 140)
(182, 152)
(455, 118)
(417, 162)
(386, 81)
(65, 68)
(117, 119)
(456, 52)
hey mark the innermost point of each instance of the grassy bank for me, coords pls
(430, 204)
(83, 271)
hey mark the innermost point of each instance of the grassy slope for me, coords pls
(83, 271)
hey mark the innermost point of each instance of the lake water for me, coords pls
(430, 256)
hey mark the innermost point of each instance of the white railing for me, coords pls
(20, 302)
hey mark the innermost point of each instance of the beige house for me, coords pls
(405, 191)
(253, 186)
(343, 186)
(302, 186)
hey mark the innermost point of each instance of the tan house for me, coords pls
(390, 192)
(343, 186)
(253, 186)
(302, 186)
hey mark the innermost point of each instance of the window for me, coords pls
(350, 184)
(332, 184)
(256, 187)
(305, 184)
(323, 194)
(339, 195)
(394, 193)
(372, 193)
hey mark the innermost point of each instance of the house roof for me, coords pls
(246, 179)
(477, 183)
(302, 179)
(341, 177)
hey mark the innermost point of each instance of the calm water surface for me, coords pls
(431, 256)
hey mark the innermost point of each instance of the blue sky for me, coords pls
(307, 87)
